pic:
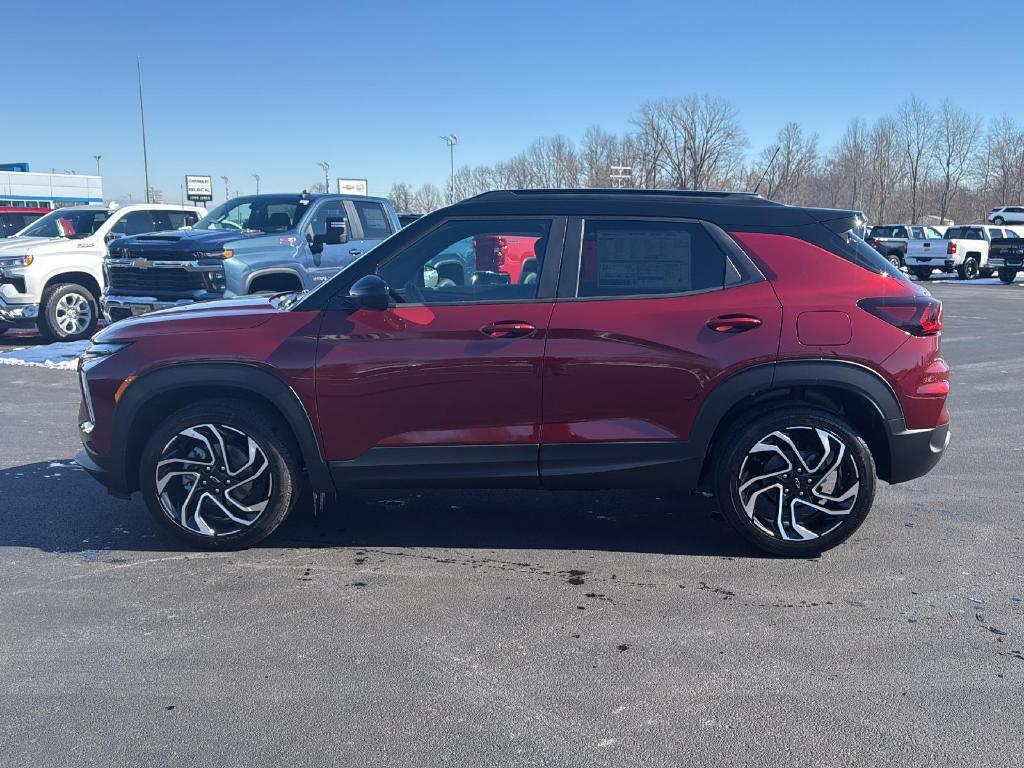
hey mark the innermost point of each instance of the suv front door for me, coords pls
(449, 375)
(652, 315)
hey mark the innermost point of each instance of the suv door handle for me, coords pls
(733, 323)
(508, 329)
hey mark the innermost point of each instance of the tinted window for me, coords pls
(1015, 210)
(471, 261)
(179, 219)
(888, 232)
(964, 233)
(932, 233)
(334, 209)
(64, 223)
(638, 258)
(374, 220)
(1010, 233)
(134, 223)
(995, 233)
(261, 214)
(918, 233)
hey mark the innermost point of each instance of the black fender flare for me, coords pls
(254, 276)
(246, 376)
(852, 377)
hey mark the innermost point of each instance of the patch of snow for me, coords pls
(61, 355)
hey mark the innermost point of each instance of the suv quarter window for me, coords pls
(625, 258)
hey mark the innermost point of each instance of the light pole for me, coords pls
(227, 195)
(97, 158)
(451, 140)
(327, 170)
(257, 177)
(142, 115)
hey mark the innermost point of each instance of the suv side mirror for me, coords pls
(337, 231)
(370, 292)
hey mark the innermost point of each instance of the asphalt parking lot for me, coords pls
(516, 628)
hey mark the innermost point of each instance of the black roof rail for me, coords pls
(505, 194)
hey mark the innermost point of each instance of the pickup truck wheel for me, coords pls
(794, 482)
(220, 474)
(922, 273)
(1007, 275)
(895, 260)
(68, 312)
(969, 269)
(998, 221)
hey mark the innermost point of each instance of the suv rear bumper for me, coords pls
(915, 452)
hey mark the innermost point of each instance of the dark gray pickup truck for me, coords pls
(891, 240)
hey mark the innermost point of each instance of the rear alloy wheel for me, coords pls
(796, 482)
(68, 312)
(999, 221)
(1007, 275)
(219, 475)
(969, 269)
(895, 260)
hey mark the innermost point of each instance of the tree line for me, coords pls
(936, 161)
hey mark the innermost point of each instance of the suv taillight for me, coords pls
(917, 315)
(951, 248)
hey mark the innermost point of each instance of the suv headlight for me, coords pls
(97, 353)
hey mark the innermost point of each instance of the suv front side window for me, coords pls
(644, 258)
(471, 261)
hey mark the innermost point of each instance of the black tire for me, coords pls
(922, 273)
(896, 259)
(737, 445)
(1007, 275)
(999, 221)
(969, 269)
(986, 272)
(273, 439)
(55, 320)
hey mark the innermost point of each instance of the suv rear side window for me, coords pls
(644, 258)
(376, 225)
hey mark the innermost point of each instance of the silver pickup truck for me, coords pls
(892, 240)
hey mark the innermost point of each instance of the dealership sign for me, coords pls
(353, 187)
(199, 189)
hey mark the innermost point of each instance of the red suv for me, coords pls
(661, 339)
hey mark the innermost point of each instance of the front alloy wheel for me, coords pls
(796, 481)
(220, 473)
(213, 480)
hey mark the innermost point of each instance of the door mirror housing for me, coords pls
(370, 292)
(111, 237)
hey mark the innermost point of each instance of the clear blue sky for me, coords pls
(234, 88)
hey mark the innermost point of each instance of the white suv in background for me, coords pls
(51, 272)
(1008, 214)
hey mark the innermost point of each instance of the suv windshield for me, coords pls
(67, 223)
(257, 214)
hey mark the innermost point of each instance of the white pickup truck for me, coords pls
(51, 272)
(963, 250)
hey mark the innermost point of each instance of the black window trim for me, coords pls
(568, 282)
(546, 285)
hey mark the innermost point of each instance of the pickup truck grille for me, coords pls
(153, 281)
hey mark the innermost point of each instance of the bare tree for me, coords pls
(956, 146)
(1005, 150)
(853, 159)
(600, 150)
(788, 166)
(916, 134)
(886, 163)
(401, 196)
(428, 198)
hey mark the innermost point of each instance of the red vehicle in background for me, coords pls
(504, 253)
(13, 220)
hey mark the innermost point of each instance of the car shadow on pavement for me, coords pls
(55, 506)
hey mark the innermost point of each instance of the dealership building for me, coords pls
(20, 188)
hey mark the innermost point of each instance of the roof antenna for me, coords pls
(768, 168)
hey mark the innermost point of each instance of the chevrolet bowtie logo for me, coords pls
(141, 263)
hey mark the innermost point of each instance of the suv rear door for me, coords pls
(652, 315)
(449, 375)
